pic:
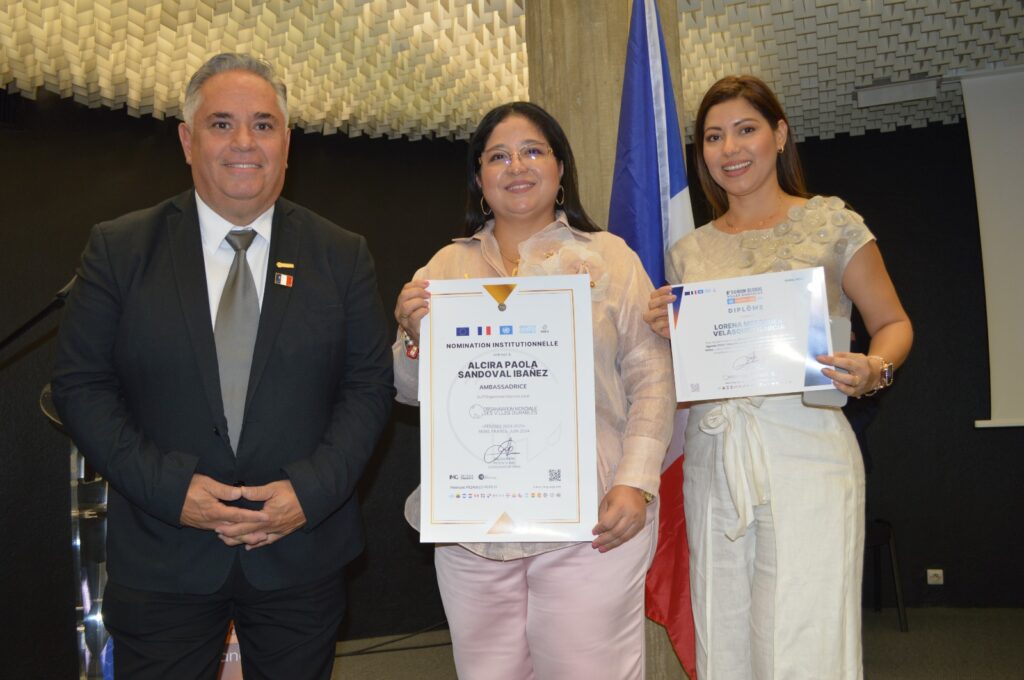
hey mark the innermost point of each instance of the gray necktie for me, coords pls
(238, 317)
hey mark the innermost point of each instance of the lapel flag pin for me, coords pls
(285, 265)
(285, 280)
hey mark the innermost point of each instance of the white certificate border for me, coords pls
(582, 476)
(818, 307)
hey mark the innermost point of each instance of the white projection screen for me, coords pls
(994, 104)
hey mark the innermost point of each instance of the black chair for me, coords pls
(879, 534)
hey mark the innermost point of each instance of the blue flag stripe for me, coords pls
(649, 170)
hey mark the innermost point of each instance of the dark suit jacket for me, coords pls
(136, 384)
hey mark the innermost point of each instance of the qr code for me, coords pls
(554, 475)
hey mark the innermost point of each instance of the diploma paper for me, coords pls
(507, 418)
(751, 335)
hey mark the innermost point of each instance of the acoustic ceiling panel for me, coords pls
(433, 67)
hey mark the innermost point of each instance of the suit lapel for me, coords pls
(284, 247)
(190, 278)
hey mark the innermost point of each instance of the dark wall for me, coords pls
(952, 492)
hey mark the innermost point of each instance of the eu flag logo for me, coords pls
(462, 330)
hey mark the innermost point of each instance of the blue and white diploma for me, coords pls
(507, 417)
(750, 336)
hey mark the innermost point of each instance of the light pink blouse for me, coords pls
(634, 392)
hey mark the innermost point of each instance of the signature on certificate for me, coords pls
(496, 452)
(745, 360)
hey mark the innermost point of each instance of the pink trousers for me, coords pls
(568, 614)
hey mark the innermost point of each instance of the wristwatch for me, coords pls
(885, 375)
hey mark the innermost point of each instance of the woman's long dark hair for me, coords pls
(761, 97)
(553, 135)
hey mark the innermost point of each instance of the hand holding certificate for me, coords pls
(750, 336)
(508, 445)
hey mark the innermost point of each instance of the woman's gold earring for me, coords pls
(484, 208)
(560, 196)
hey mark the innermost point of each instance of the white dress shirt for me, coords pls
(218, 253)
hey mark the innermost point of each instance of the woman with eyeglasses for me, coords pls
(774, 488)
(553, 611)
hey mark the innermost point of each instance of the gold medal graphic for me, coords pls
(500, 293)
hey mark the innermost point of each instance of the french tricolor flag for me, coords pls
(650, 203)
(650, 209)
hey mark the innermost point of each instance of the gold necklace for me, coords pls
(760, 224)
(514, 263)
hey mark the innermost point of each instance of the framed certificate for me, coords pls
(750, 336)
(507, 418)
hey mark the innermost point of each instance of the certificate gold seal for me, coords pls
(504, 525)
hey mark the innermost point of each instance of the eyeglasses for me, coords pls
(530, 153)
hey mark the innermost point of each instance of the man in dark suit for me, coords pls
(224, 364)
